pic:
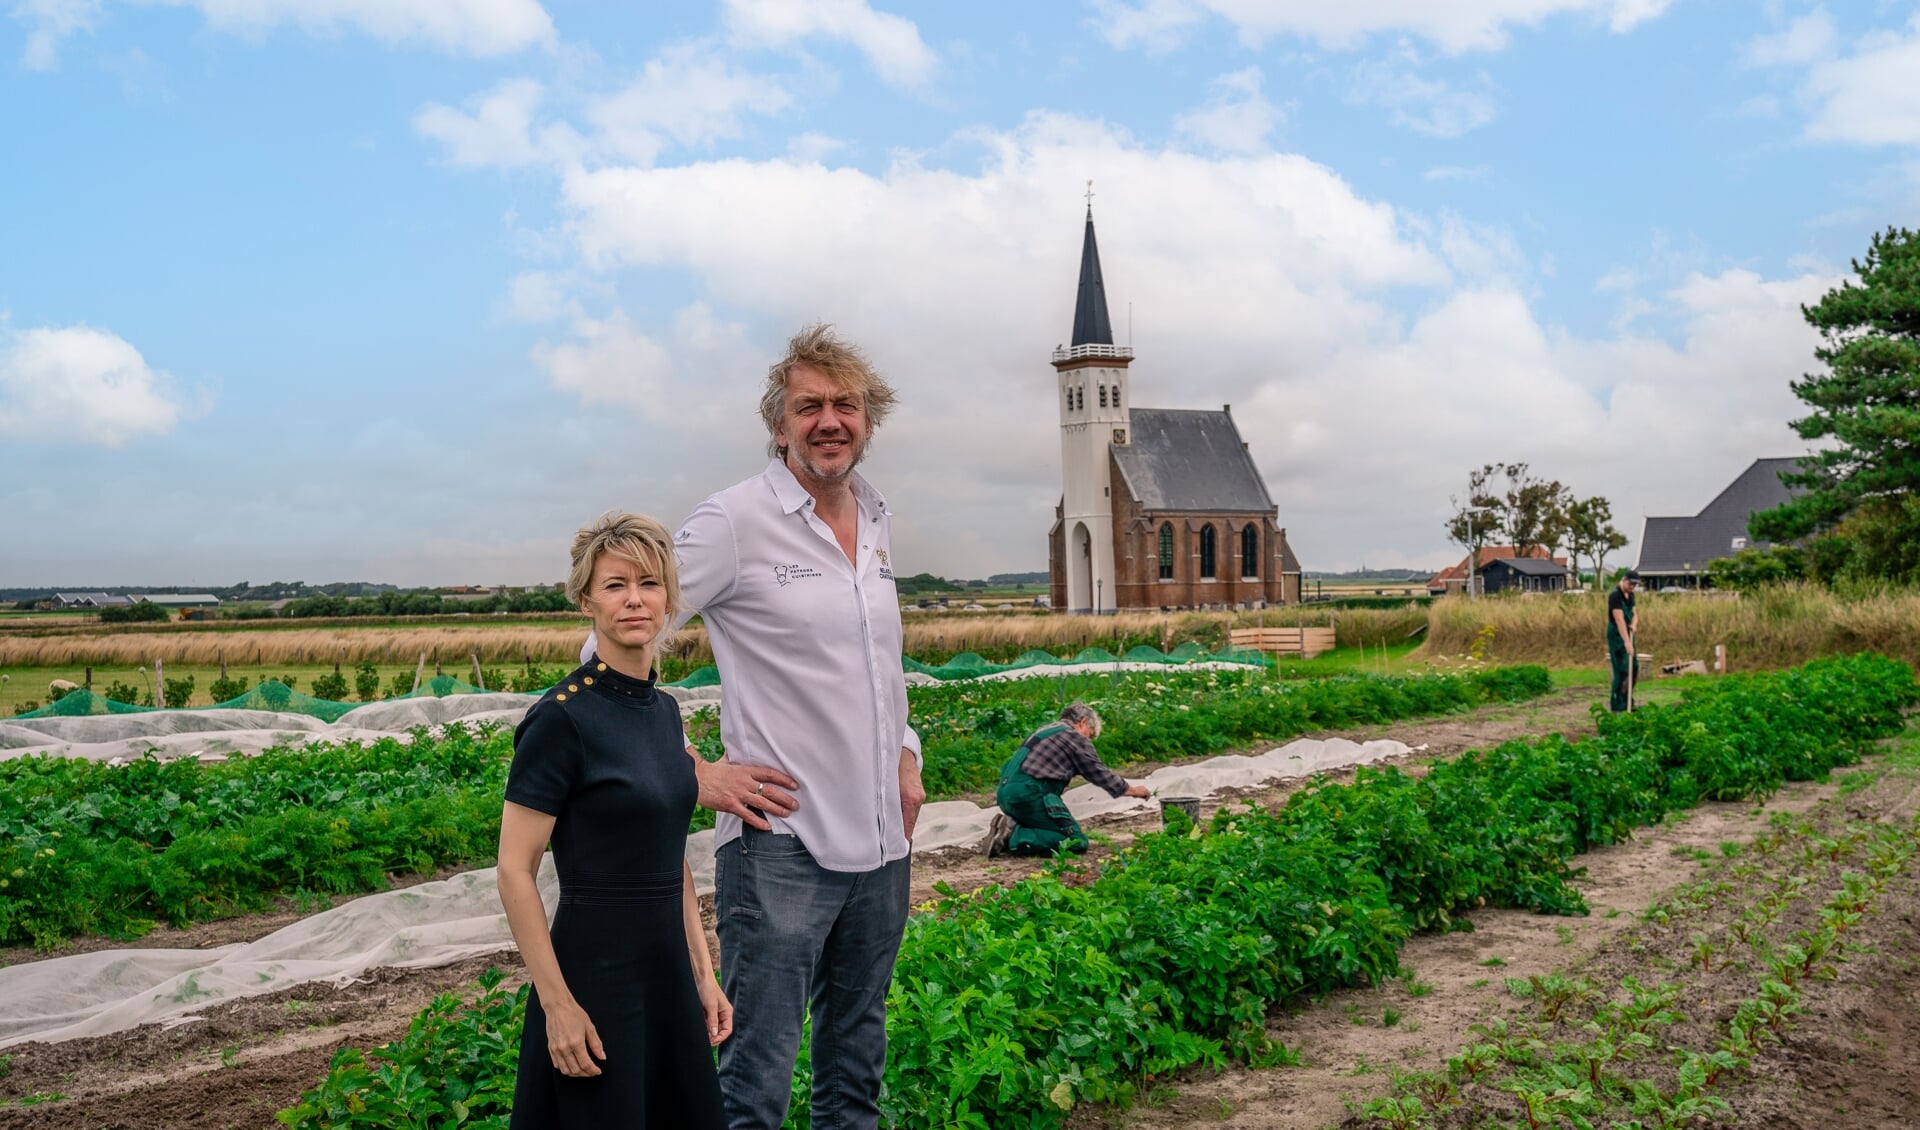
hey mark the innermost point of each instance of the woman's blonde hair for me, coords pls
(843, 363)
(637, 538)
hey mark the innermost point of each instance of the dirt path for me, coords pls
(240, 1062)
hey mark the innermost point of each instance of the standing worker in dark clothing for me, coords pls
(1620, 647)
(1033, 820)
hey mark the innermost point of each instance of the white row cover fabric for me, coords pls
(216, 734)
(438, 923)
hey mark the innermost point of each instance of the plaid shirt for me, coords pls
(1058, 757)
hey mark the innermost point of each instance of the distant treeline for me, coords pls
(407, 604)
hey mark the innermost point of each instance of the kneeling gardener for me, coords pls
(1033, 820)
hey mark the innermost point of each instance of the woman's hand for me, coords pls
(719, 1011)
(1138, 791)
(572, 1041)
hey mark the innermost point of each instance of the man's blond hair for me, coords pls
(841, 362)
(637, 538)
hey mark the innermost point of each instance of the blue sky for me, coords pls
(407, 290)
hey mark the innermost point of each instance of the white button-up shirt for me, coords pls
(808, 645)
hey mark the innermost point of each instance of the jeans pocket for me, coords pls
(770, 845)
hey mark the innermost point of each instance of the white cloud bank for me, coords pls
(1863, 93)
(1455, 26)
(484, 28)
(75, 384)
(1262, 281)
(891, 44)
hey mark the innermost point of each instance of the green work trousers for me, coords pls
(1617, 699)
(1042, 824)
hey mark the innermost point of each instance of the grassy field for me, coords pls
(1775, 628)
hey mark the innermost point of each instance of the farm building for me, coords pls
(1454, 577)
(1161, 507)
(91, 600)
(183, 599)
(1674, 552)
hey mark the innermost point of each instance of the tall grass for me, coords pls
(1775, 627)
(931, 637)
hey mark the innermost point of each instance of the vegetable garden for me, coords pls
(88, 847)
(1013, 1006)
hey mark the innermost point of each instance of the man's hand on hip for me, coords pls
(747, 791)
(912, 793)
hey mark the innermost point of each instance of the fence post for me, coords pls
(419, 670)
(89, 680)
(479, 680)
(160, 684)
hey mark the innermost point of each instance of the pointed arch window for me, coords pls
(1207, 551)
(1166, 551)
(1249, 552)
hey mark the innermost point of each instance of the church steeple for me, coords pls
(1090, 324)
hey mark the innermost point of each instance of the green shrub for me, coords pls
(224, 688)
(400, 685)
(123, 692)
(366, 681)
(179, 692)
(330, 686)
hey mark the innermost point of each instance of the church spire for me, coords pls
(1090, 324)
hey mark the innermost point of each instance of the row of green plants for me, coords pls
(1661, 1057)
(331, 686)
(90, 847)
(1012, 1006)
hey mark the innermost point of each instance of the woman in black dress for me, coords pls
(624, 1005)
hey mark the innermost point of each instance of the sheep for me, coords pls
(61, 686)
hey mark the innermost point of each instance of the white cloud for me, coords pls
(74, 384)
(484, 28)
(1869, 97)
(1454, 26)
(498, 130)
(1806, 39)
(1423, 105)
(891, 44)
(609, 361)
(1864, 94)
(48, 22)
(1237, 117)
(1456, 172)
(812, 148)
(685, 96)
(467, 27)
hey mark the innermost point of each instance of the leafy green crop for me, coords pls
(91, 847)
(1011, 1006)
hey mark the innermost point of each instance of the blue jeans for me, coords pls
(794, 935)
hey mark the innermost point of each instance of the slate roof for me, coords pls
(1488, 555)
(1185, 460)
(1090, 324)
(1671, 546)
(1532, 566)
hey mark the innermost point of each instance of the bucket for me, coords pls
(1187, 804)
(1642, 667)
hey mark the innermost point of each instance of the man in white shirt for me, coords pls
(790, 572)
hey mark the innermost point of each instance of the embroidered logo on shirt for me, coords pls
(787, 574)
(881, 553)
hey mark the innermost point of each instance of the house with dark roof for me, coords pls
(1674, 552)
(1523, 574)
(1161, 507)
(1454, 577)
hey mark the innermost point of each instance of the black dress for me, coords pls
(606, 756)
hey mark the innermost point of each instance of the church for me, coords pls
(1160, 507)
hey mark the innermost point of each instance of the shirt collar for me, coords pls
(792, 496)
